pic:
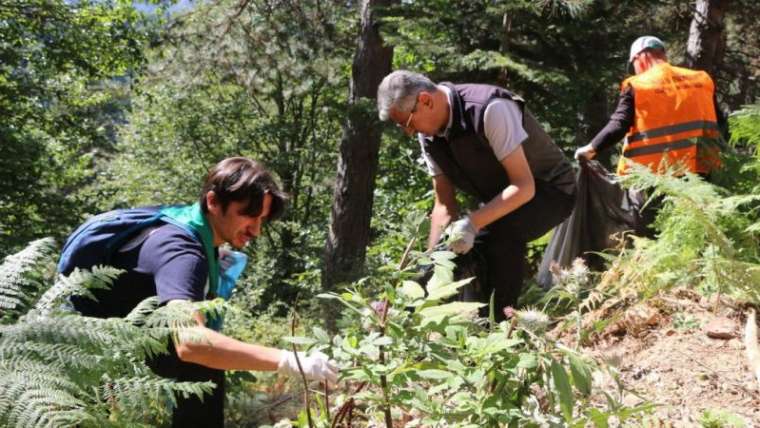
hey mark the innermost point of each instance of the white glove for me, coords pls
(462, 234)
(586, 152)
(316, 366)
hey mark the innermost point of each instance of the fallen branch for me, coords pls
(750, 345)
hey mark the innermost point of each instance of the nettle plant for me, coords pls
(412, 356)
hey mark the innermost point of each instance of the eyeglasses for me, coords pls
(409, 119)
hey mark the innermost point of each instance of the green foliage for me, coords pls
(24, 276)
(59, 104)
(411, 352)
(58, 368)
(707, 240)
(251, 79)
(745, 127)
(567, 58)
(685, 322)
(716, 418)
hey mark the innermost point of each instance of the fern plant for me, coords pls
(60, 369)
(707, 239)
(23, 277)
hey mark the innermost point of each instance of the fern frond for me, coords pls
(88, 333)
(34, 374)
(23, 276)
(53, 354)
(135, 394)
(142, 311)
(35, 408)
(79, 282)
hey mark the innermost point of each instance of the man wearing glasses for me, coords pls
(481, 140)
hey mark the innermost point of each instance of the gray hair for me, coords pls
(399, 91)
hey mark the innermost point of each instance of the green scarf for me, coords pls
(191, 218)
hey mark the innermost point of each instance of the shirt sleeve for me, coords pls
(619, 124)
(177, 263)
(432, 168)
(502, 124)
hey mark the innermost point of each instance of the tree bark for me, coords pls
(349, 233)
(706, 45)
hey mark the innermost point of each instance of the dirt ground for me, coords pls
(671, 361)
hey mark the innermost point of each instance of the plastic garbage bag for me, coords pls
(602, 209)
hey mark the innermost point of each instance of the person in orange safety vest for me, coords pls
(668, 114)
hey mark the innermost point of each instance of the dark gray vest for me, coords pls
(468, 160)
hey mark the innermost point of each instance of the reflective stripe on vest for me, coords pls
(673, 109)
(674, 129)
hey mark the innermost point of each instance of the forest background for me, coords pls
(108, 104)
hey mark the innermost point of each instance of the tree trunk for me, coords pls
(349, 232)
(706, 44)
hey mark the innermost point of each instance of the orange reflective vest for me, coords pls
(674, 121)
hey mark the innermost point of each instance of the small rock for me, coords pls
(721, 328)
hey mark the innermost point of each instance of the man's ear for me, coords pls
(425, 98)
(212, 203)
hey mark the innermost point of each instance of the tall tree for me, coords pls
(63, 72)
(257, 78)
(349, 232)
(706, 44)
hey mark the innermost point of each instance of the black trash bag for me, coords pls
(602, 209)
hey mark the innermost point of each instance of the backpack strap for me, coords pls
(192, 219)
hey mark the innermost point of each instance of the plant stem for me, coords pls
(306, 399)
(383, 377)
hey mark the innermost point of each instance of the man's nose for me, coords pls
(255, 228)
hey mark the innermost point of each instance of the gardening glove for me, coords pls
(316, 366)
(587, 152)
(462, 234)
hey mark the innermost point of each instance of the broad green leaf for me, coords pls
(434, 374)
(321, 335)
(383, 341)
(455, 310)
(442, 291)
(441, 276)
(527, 361)
(562, 384)
(328, 296)
(599, 418)
(443, 255)
(412, 290)
(581, 374)
(298, 340)
(478, 377)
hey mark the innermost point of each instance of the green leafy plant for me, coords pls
(715, 418)
(685, 322)
(707, 240)
(411, 355)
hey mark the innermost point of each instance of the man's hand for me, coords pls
(462, 234)
(586, 152)
(316, 366)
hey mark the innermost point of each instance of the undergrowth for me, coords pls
(61, 369)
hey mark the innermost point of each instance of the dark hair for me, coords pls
(243, 179)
